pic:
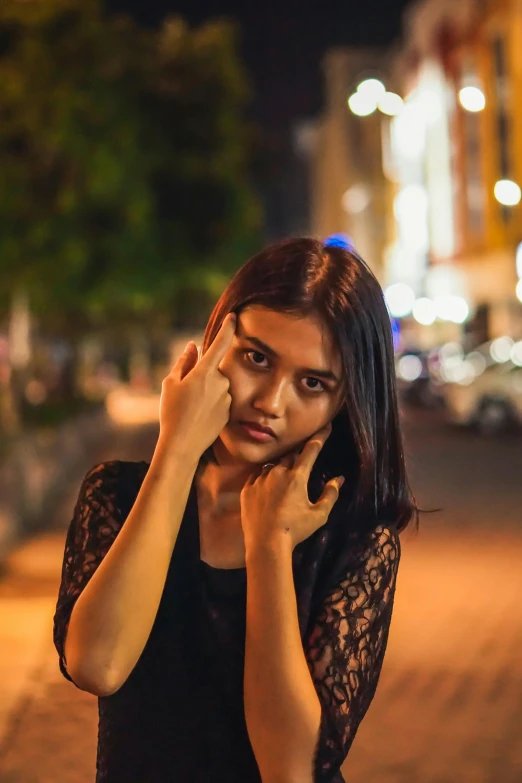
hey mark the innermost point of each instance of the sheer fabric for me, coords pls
(345, 649)
(179, 715)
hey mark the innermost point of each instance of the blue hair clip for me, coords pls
(339, 240)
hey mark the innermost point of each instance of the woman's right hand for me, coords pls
(195, 401)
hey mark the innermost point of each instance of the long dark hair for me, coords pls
(302, 277)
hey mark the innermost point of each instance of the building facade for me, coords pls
(348, 190)
(460, 71)
(431, 195)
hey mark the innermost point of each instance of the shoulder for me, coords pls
(111, 487)
(115, 473)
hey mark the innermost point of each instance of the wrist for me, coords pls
(278, 546)
(173, 453)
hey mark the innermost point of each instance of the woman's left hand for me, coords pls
(275, 504)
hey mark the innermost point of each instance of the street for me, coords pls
(448, 707)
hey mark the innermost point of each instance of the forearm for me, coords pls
(282, 709)
(113, 617)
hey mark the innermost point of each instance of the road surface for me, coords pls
(448, 707)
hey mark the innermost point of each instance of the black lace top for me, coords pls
(179, 716)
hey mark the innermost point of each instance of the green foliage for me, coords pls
(123, 158)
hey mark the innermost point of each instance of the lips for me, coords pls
(259, 427)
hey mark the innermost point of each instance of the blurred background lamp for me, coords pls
(399, 298)
(464, 374)
(356, 199)
(507, 192)
(519, 290)
(500, 349)
(390, 103)
(472, 99)
(452, 308)
(35, 392)
(372, 89)
(410, 367)
(424, 311)
(460, 310)
(477, 361)
(451, 351)
(516, 354)
(361, 104)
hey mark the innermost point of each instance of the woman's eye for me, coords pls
(310, 389)
(255, 352)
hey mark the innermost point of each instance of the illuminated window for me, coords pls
(502, 112)
(475, 182)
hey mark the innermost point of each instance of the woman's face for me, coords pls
(269, 385)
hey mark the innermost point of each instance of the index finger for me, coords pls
(305, 460)
(221, 343)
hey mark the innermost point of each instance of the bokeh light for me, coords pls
(410, 367)
(507, 192)
(516, 354)
(390, 104)
(477, 361)
(399, 298)
(472, 99)
(500, 349)
(452, 308)
(362, 105)
(424, 311)
(372, 89)
(356, 199)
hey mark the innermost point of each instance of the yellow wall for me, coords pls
(504, 19)
(489, 263)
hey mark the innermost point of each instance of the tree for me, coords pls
(123, 157)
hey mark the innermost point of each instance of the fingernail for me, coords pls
(341, 481)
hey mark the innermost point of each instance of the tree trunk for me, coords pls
(139, 361)
(19, 347)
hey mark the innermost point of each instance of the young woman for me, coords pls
(229, 603)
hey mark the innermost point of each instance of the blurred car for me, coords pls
(492, 402)
(415, 381)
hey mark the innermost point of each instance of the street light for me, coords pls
(373, 89)
(400, 299)
(507, 192)
(371, 94)
(472, 99)
(390, 104)
(424, 311)
(361, 105)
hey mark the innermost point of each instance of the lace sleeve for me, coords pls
(96, 521)
(345, 649)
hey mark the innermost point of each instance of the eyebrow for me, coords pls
(326, 374)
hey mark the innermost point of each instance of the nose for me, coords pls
(271, 397)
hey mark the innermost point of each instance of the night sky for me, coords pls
(283, 42)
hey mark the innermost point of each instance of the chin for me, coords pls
(249, 453)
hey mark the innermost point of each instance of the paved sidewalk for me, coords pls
(47, 726)
(448, 707)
